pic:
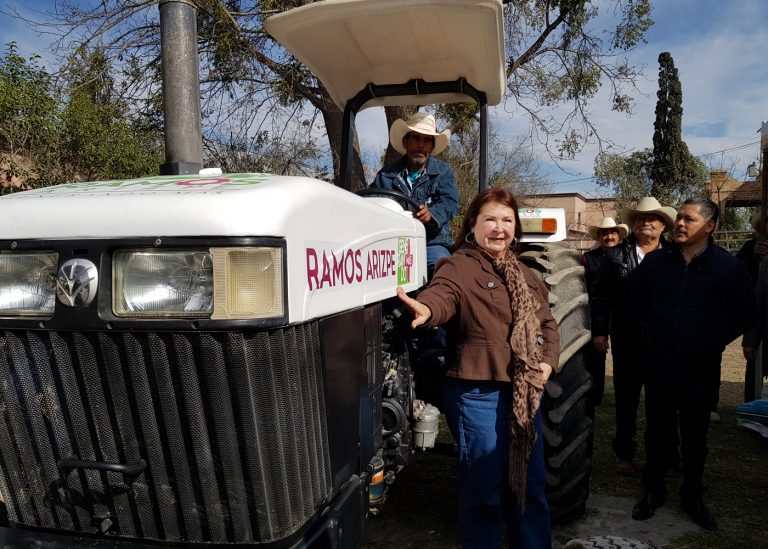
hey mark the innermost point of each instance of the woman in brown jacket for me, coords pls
(503, 344)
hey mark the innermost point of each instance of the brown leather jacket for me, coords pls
(471, 300)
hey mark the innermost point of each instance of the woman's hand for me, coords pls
(420, 312)
(546, 371)
(600, 343)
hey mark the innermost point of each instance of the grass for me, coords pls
(421, 507)
(736, 477)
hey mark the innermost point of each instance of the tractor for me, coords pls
(220, 359)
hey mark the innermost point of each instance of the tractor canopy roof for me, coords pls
(350, 45)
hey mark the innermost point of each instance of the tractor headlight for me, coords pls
(28, 283)
(151, 283)
(249, 283)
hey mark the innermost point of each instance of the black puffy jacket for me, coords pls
(610, 296)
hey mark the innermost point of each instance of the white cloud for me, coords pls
(717, 50)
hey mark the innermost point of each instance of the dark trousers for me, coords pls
(627, 384)
(684, 395)
(749, 381)
(596, 368)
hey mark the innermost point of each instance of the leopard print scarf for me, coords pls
(525, 371)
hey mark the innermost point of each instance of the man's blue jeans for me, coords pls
(434, 253)
(477, 413)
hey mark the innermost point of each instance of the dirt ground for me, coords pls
(421, 507)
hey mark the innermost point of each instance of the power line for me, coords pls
(737, 147)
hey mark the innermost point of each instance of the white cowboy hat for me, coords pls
(608, 223)
(649, 204)
(420, 123)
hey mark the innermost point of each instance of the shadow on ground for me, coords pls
(421, 506)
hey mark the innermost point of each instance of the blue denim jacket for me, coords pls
(435, 188)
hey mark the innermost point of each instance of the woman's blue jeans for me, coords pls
(477, 413)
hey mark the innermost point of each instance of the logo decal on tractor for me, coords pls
(331, 265)
(76, 283)
(404, 261)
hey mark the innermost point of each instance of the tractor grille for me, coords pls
(232, 427)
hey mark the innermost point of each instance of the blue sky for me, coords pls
(719, 51)
(718, 48)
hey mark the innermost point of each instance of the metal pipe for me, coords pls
(347, 150)
(181, 88)
(483, 160)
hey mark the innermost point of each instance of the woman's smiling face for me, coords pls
(494, 228)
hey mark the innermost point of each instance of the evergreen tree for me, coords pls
(675, 173)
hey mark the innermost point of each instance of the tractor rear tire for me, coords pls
(568, 425)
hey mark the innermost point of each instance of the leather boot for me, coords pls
(646, 506)
(695, 507)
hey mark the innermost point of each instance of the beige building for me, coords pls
(725, 191)
(580, 213)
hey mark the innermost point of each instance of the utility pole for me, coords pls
(181, 88)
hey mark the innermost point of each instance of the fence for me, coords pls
(732, 241)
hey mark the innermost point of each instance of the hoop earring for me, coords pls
(467, 240)
(514, 242)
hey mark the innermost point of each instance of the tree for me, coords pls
(101, 139)
(511, 165)
(74, 128)
(675, 173)
(554, 56)
(669, 171)
(27, 118)
(628, 177)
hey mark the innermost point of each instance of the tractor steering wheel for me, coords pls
(393, 194)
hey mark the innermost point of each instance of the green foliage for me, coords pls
(100, 139)
(669, 172)
(558, 53)
(80, 129)
(460, 117)
(631, 177)
(628, 177)
(28, 121)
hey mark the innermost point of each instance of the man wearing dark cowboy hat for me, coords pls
(692, 299)
(612, 313)
(429, 181)
(607, 235)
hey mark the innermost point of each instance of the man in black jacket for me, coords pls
(752, 253)
(612, 313)
(692, 298)
(607, 234)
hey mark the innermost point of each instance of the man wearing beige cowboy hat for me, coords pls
(429, 181)
(607, 235)
(693, 299)
(612, 313)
